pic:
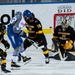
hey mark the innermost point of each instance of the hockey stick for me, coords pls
(32, 42)
(60, 55)
(58, 49)
(52, 50)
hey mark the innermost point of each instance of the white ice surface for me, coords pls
(37, 66)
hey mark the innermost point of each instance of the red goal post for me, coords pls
(59, 17)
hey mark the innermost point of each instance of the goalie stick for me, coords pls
(35, 45)
(58, 50)
(60, 55)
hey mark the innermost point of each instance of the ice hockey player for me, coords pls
(3, 54)
(35, 33)
(64, 36)
(15, 34)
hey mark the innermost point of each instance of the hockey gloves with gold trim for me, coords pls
(68, 45)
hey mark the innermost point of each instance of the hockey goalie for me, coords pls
(63, 41)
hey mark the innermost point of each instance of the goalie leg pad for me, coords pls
(71, 55)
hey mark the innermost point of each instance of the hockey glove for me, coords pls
(7, 45)
(68, 45)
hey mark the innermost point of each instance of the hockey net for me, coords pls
(70, 17)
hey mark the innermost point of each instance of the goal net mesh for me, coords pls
(70, 17)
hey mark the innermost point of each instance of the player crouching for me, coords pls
(63, 39)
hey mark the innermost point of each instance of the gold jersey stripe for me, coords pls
(46, 52)
(3, 61)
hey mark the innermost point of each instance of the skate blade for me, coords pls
(5, 73)
(27, 62)
(15, 68)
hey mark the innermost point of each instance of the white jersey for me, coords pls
(17, 22)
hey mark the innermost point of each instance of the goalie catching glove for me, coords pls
(68, 45)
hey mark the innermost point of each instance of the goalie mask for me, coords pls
(64, 24)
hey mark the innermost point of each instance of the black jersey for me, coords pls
(2, 28)
(34, 28)
(2, 40)
(1, 36)
(62, 36)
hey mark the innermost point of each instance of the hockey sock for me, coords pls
(15, 58)
(22, 52)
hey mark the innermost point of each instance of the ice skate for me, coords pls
(6, 71)
(47, 60)
(3, 68)
(26, 60)
(14, 66)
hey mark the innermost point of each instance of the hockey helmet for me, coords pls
(27, 13)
